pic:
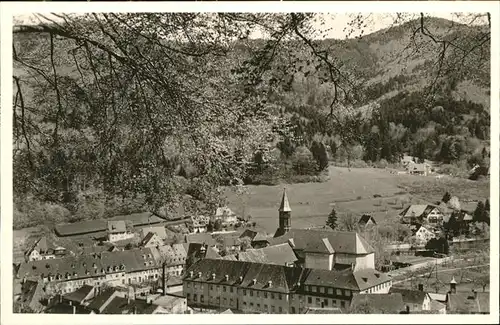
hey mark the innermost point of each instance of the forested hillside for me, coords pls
(120, 113)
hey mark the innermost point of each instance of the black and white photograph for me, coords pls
(251, 162)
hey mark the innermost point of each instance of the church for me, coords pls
(321, 248)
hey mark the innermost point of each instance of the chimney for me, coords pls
(269, 283)
(420, 287)
(254, 281)
(213, 276)
(241, 279)
(199, 274)
(191, 274)
(227, 277)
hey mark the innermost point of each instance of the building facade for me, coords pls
(275, 289)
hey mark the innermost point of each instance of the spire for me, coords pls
(284, 206)
(453, 281)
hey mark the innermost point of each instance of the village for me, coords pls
(145, 264)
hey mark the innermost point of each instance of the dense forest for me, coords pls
(116, 113)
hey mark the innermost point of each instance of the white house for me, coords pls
(423, 235)
(227, 216)
(119, 230)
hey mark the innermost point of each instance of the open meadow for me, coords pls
(350, 191)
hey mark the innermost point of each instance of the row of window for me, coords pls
(246, 292)
(324, 303)
(258, 307)
(326, 290)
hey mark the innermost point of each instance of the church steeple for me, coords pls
(284, 206)
(285, 214)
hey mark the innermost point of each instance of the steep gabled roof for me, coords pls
(260, 276)
(341, 241)
(80, 294)
(319, 246)
(380, 303)
(365, 218)
(410, 296)
(279, 254)
(41, 244)
(159, 231)
(466, 302)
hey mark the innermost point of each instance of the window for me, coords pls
(293, 310)
(230, 289)
(330, 291)
(211, 287)
(202, 299)
(272, 295)
(188, 296)
(280, 310)
(347, 293)
(313, 288)
(309, 300)
(339, 292)
(280, 296)
(251, 293)
(273, 309)
(224, 300)
(265, 294)
(326, 302)
(257, 293)
(342, 304)
(258, 306)
(244, 303)
(231, 301)
(308, 288)
(334, 302)
(251, 304)
(265, 308)
(224, 288)
(195, 297)
(244, 292)
(318, 303)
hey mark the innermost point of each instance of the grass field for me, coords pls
(349, 191)
(464, 276)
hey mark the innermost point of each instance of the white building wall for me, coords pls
(120, 236)
(319, 261)
(365, 262)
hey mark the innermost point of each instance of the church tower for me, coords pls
(285, 214)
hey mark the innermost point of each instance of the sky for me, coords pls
(335, 23)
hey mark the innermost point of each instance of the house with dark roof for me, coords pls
(151, 240)
(414, 300)
(119, 230)
(43, 249)
(320, 248)
(389, 303)
(80, 296)
(267, 288)
(158, 230)
(366, 220)
(468, 302)
(421, 213)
